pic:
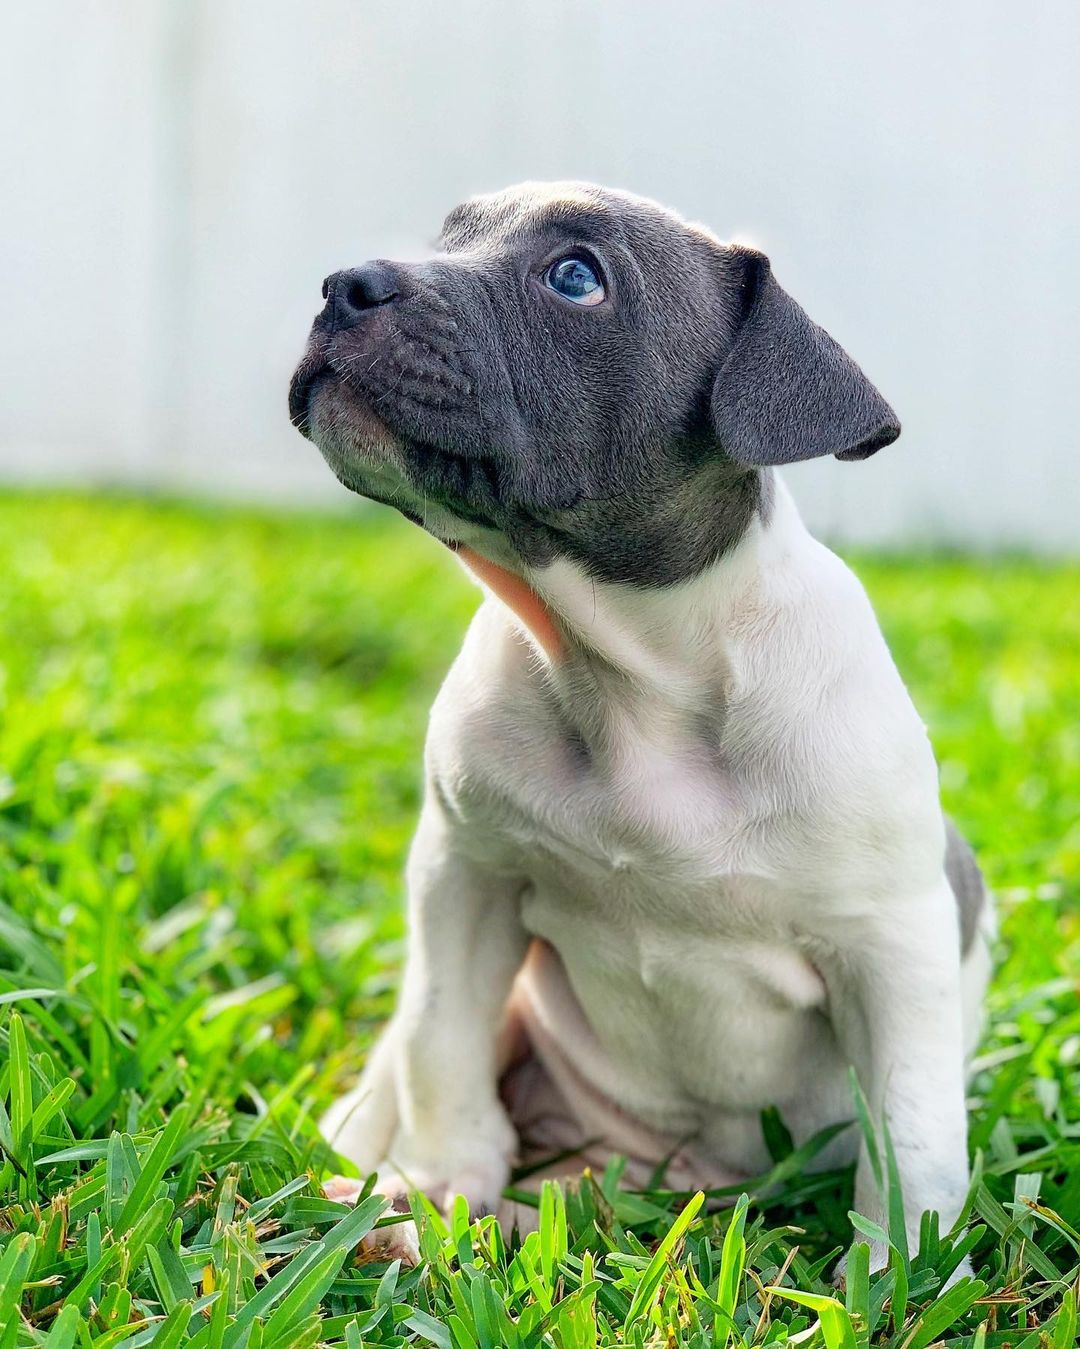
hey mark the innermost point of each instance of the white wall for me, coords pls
(182, 174)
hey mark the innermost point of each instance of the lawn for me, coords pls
(210, 729)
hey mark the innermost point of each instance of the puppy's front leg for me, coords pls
(466, 943)
(899, 1017)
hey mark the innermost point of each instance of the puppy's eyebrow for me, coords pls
(586, 222)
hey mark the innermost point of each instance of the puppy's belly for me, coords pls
(688, 1035)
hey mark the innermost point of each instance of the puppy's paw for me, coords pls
(343, 1189)
(397, 1241)
(477, 1168)
(480, 1184)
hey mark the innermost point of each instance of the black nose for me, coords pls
(352, 292)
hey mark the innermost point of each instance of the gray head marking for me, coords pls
(627, 420)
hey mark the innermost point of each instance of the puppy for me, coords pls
(681, 855)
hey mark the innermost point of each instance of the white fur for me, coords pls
(737, 855)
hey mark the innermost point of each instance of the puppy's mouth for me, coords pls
(375, 455)
(301, 387)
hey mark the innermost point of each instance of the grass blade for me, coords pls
(654, 1271)
(836, 1327)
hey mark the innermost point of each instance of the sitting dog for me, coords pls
(681, 855)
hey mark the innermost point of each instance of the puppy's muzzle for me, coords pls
(351, 296)
(387, 348)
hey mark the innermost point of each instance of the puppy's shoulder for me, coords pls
(827, 711)
(809, 646)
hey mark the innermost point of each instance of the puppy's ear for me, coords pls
(786, 391)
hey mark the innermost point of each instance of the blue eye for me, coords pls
(575, 279)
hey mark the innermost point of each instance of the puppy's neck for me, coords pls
(663, 646)
(521, 599)
(661, 641)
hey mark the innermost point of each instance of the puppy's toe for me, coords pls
(396, 1241)
(343, 1189)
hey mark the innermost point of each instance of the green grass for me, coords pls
(210, 728)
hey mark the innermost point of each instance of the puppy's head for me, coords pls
(577, 371)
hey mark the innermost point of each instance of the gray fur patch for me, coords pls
(630, 435)
(967, 884)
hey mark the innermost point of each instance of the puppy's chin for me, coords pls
(370, 460)
(348, 432)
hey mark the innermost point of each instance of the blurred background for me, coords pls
(179, 177)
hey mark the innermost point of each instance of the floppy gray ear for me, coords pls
(786, 391)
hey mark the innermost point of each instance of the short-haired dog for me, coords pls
(681, 855)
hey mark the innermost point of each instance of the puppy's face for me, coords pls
(548, 383)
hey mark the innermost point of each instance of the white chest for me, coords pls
(649, 873)
(660, 812)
